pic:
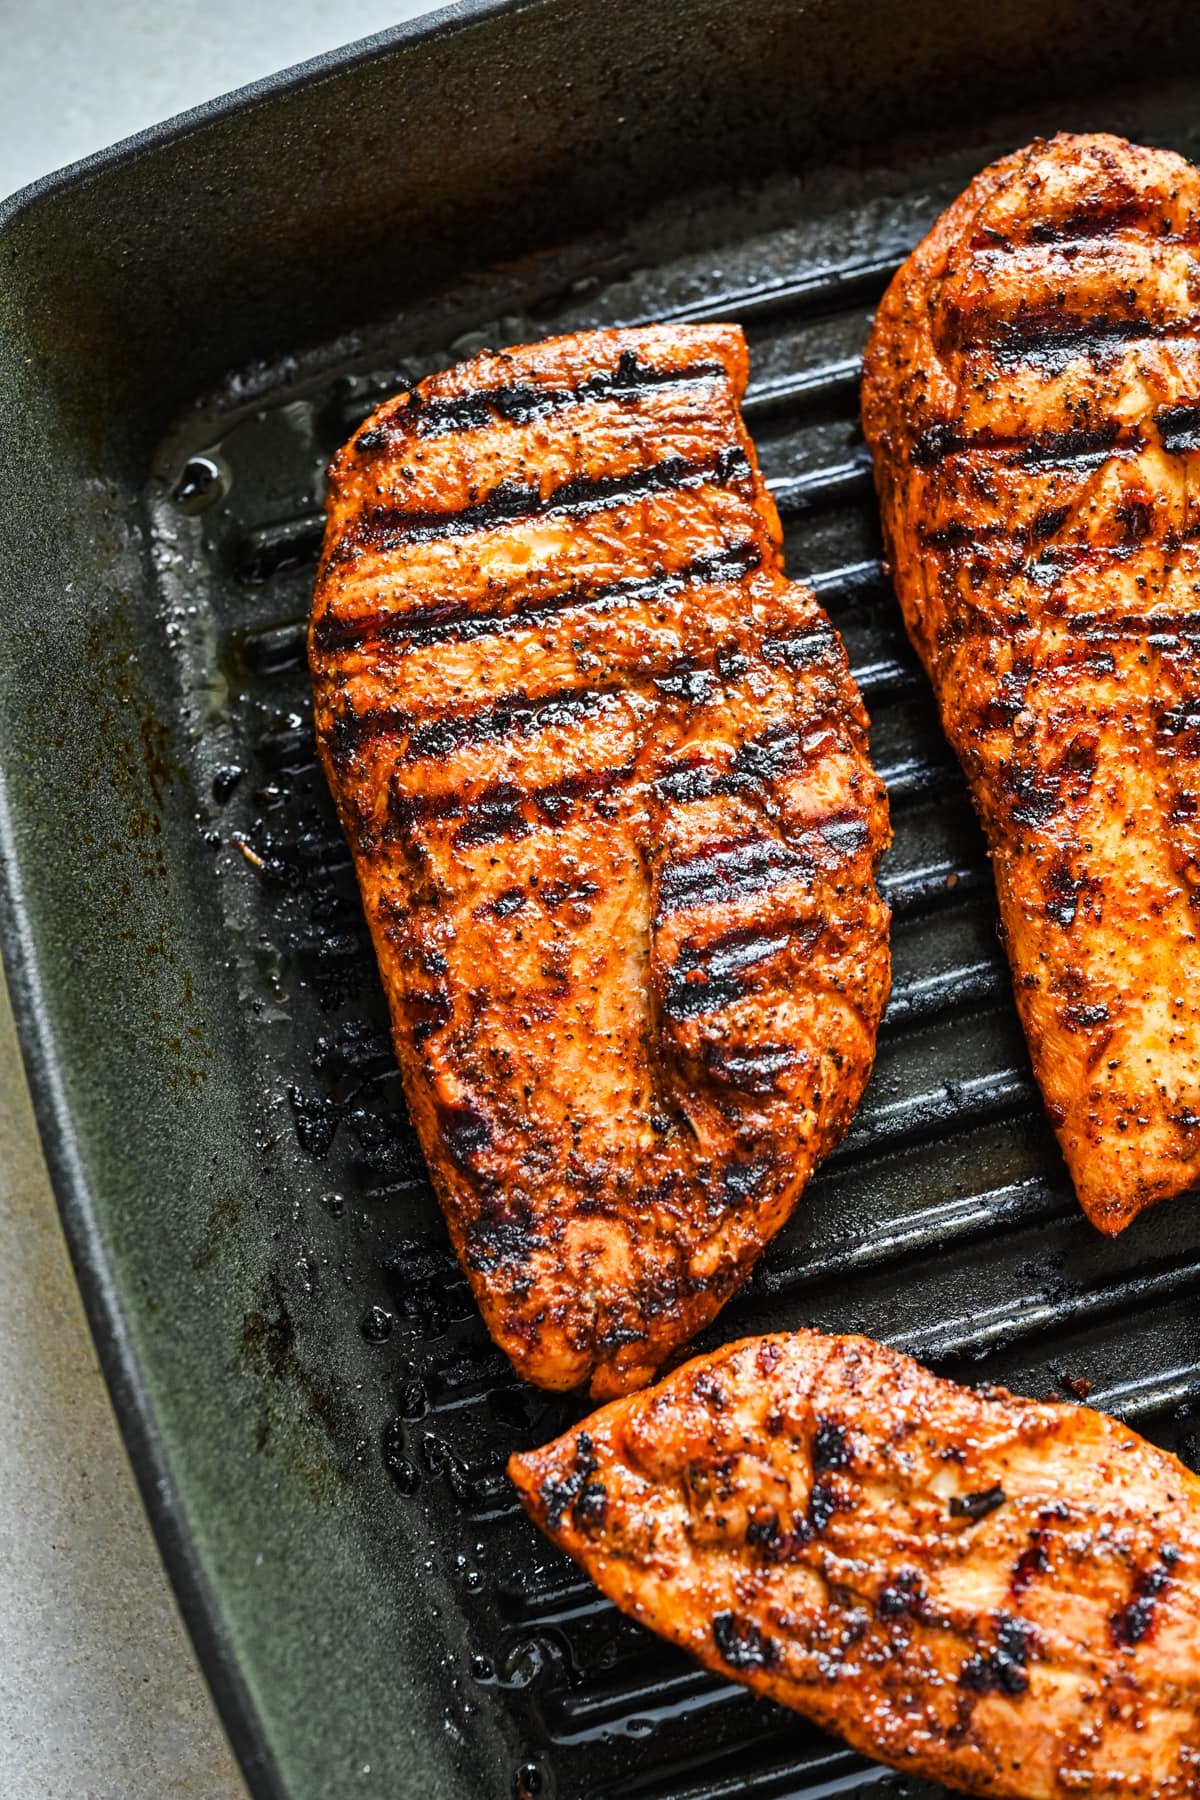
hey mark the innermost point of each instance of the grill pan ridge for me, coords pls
(945, 1225)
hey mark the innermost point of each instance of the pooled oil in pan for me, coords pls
(944, 1225)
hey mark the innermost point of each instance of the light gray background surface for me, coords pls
(100, 1697)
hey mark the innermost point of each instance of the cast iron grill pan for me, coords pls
(944, 1225)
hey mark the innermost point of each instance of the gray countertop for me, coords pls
(100, 1696)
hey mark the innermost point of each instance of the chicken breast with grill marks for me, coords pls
(984, 1591)
(603, 771)
(1032, 401)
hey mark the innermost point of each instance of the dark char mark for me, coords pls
(823, 1503)
(1129, 1626)
(1156, 628)
(705, 978)
(435, 739)
(1080, 447)
(904, 1598)
(753, 1070)
(730, 871)
(466, 1132)
(1096, 218)
(463, 619)
(522, 402)
(503, 809)
(558, 1496)
(504, 1235)
(510, 501)
(1053, 338)
(1179, 428)
(758, 763)
(733, 871)
(1001, 1669)
(1092, 216)
(819, 643)
(439, 738)
(831, 1446)
(977, 1506)
(1033, 1561)
(741, 1644)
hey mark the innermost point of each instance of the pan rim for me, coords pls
(445, 21)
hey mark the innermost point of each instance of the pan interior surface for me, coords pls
(945, 1224)
(317, 1417)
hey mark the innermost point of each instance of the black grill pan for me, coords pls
(190, 326)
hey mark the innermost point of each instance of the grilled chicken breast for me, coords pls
(996, 1594)
(603, 771)
(1032, 400)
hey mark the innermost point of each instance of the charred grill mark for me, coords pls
(488, 722)
(1179, 427)
(968, 540)
(1049, 521)
(742, 1182)
(731, 871)
(764, 1532)
(1179, 721)
(386, 528)
(466, 620)
(558, 1497)
(1099, 216)
(706, 978)
(466, 1133)
(831, 1446)
(523, 402)
(430, 1011)
(823, 1502)
(1064, 891)
(1078, 448)
(758, 763)
(904, 1598)
(753, 1069)
(1053, 338)
(1001, 1669)
(741, 1644)
(505, 1234)
(765, 758)
(1033, 1561)
(1036, 793)
(1156, 628)
(514, 716)
(505, 809)
(1135, 1620)
(818, 643)
(690, 679)
(1057, 560)
(977, 1506)
(1135, 516)
(562, 893)
(960, 535)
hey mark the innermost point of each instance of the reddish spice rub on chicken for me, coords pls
(604, 775)
(1032, 400)
(981, 1590)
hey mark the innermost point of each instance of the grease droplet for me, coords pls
(376, 1325)
(200, 484)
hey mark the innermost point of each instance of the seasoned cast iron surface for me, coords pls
(945, 1224)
